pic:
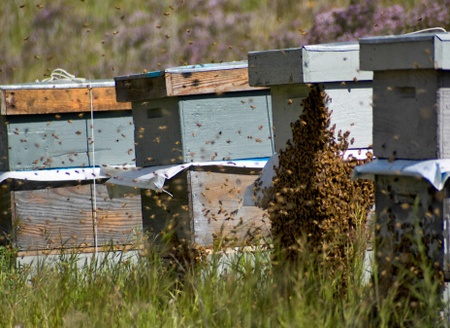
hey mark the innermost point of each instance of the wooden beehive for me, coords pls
(63, 126)
(48, 125)
(288, 72)
(198, 113)
(410, 105)
(411, 98)
(61, 216)
(207, 208)
(403, 205)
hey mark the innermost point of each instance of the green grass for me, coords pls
(243, 290)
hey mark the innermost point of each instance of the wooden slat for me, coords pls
(216, 81)
(218, 211)
(62, 218)
(149, 86)
(79, 250)
(59, 100)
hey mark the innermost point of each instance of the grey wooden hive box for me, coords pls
(206, 208)
(411, 100)
(336, 67)
(48, 125)
(59, 217)
(405, 204)
(197, 113)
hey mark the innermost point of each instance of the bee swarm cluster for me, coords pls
(312, 194)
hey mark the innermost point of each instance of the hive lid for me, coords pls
(184, 81)
(409, 51)
(59, 97)
(333, 62)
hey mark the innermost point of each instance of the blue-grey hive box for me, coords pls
(48, 125)
(411, 103)
(411, 100)
(288, 72)
(198, 113)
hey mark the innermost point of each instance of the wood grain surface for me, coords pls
(217, 208)
(52, 101)
(63, 217)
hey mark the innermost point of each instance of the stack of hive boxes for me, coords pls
(210, 116)
(411, 103)
(57, 140)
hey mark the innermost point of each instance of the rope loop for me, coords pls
(61, 75)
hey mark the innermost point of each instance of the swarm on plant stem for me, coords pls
(313, 194)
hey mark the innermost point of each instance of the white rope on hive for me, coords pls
(428, 30)
(61, 75)
(94, 185)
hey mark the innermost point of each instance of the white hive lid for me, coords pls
(406, 52)
(333, 62)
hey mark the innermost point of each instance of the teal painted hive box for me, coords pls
(49, 125)
(198, 113)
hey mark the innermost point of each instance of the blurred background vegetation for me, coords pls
(103, 39)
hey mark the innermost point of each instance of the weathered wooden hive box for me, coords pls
(64, 128)
(411, 95)
(198, 113)
(201, 113)
(288, 72)
(206, 208)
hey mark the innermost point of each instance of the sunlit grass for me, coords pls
(240, 289)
